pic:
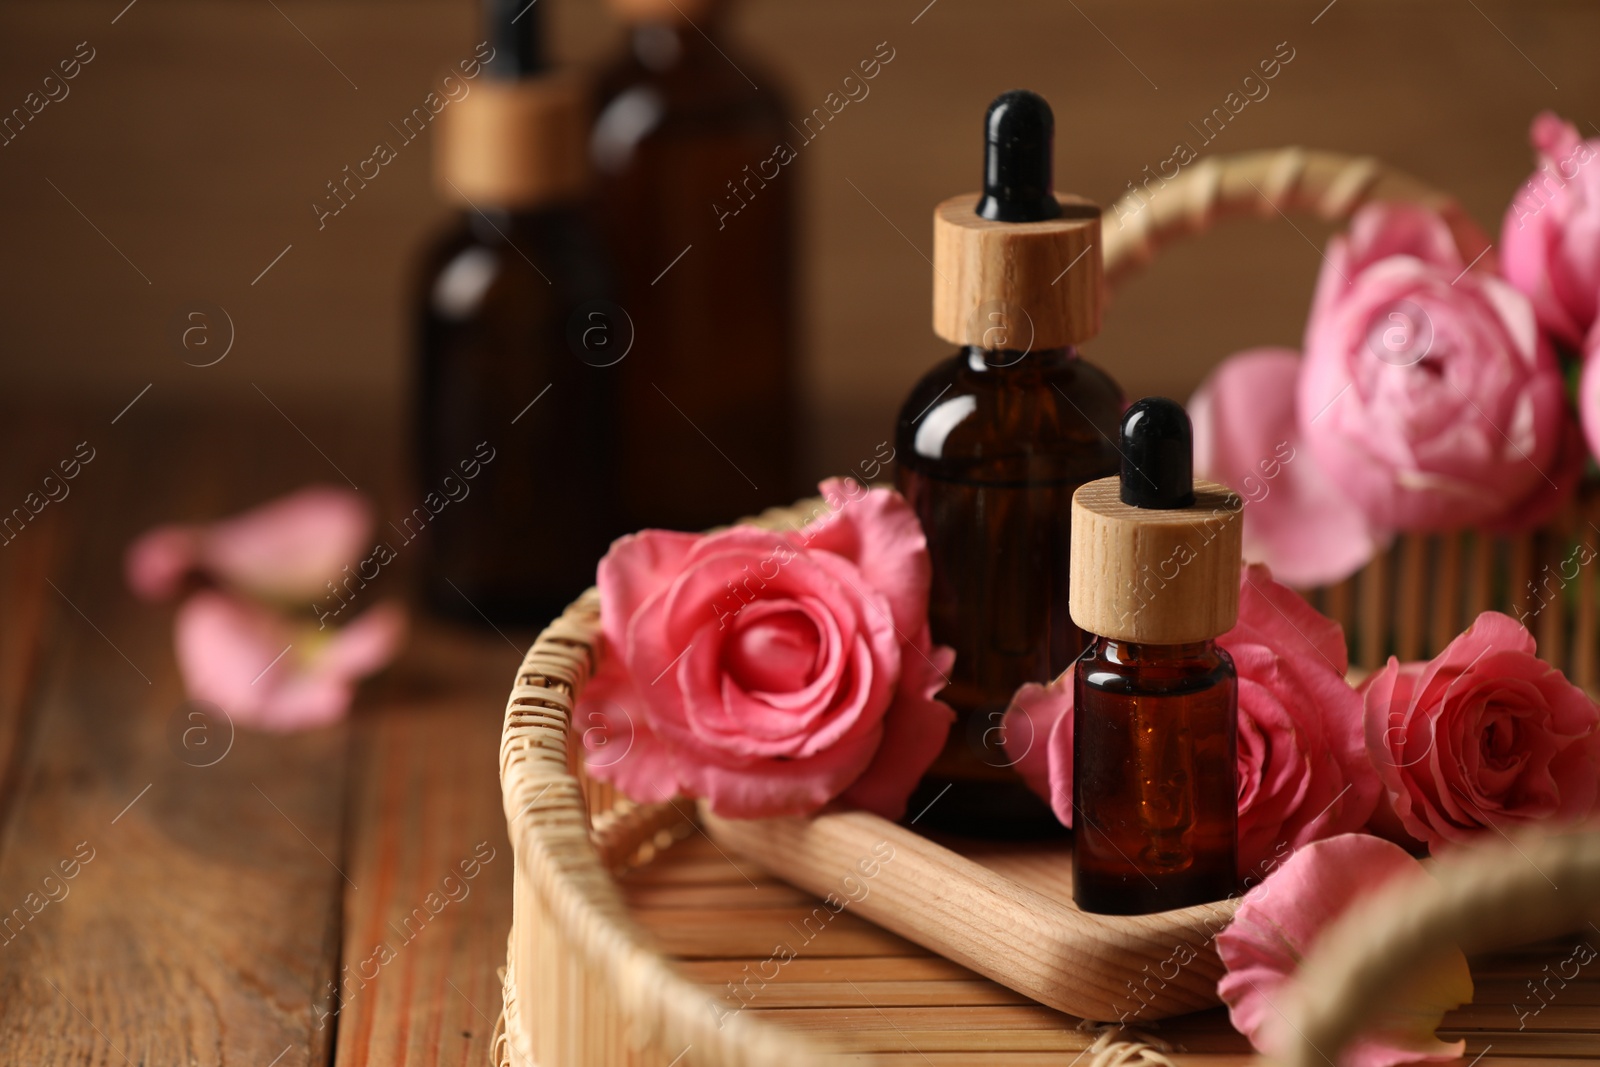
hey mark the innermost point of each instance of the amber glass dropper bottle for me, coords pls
(513, 419)
(695, 166)
(991, 444)
(1155, 577)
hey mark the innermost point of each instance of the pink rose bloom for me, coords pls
(1486, 735)
(1247, 436)
(1550, 239)
(284, 550)
(1428, 394)
(1277, 925)
(1303, 770)
(771, 672)
(269, 672)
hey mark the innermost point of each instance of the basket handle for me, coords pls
(1274, 183)
(1488, 897)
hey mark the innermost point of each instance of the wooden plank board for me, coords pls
(425, 935)
(201, 914)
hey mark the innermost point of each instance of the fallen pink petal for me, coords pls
(269, 672)
(1277, 925)
(286, 550)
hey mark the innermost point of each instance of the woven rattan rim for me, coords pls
(1270, 185)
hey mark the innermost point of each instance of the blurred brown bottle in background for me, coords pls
(515, 404)
(697, 193)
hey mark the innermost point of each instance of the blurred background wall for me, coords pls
(183, 163)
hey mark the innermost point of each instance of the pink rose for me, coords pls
(1246, 436)
(1303, 771)
(1278, 924)
(1428, 394)
(1550, 239)
(771, 672)
(1484, 735)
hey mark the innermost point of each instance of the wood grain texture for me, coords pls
(1009, 918)
(1161, 576)
(1021, 286)
(189, 910)
(425, 935)
(208, 907)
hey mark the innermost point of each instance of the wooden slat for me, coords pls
(203, 923)
(1482, 597)
(1586, 630)
(738, 895)
(1411, 602)
(728, 932)
(1448, 579)
(1376, 612)
(1522, 1043)
(921, 967)
(428, 848)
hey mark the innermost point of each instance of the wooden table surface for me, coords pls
(213, 907)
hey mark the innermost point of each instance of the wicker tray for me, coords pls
(636, 939)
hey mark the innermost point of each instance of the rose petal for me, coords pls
(619, 746)
(264, 672)
(290, 548)
(158, 561)
(1278, 924)
(877, 531)
(637, 567)
(1029, 720)
(914, 731)
(1246, 436)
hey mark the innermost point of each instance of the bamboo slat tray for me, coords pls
(1003, 910)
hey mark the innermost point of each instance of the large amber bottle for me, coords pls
(513, 412)
(695, 165)
(991, 445)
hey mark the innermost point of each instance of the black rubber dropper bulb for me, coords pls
(1157, 455)
(1018, 173)
(516, 35)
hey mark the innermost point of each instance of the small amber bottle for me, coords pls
(1156, 579)
(695, 162)
(513, 410)
(991, 444)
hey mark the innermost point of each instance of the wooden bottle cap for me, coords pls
(1037, 283)
(514, 144)
(1154, 576)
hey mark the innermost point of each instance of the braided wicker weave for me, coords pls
(585, 984)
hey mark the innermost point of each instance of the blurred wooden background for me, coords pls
(201, 132)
